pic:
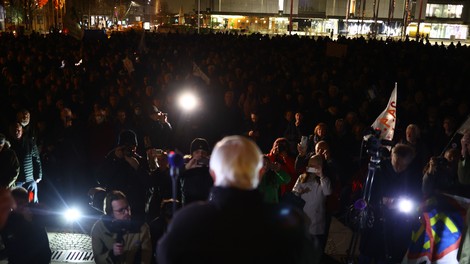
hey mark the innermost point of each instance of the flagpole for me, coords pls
(461, 130)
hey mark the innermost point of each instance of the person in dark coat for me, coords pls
(235, 226)
(24, 240)
(196, 180)
(388, 238)
(9, 164)
(126, 171)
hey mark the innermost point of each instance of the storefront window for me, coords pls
(448, 31)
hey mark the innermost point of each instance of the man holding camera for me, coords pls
(157, 129)
(386, 237)
(196, 180)
(116, 238)
(126, 171)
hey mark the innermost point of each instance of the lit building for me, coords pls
(447, 19)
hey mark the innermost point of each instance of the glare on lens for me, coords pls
(72, 214)
(405, 205)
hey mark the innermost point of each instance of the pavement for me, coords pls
(69, 246)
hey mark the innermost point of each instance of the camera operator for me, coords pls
(116, 237)
(196, 180)
(386, 237)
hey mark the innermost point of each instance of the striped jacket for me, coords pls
(28, 156)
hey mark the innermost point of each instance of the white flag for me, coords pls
(198, 72)
(465, 126)
(386, 121)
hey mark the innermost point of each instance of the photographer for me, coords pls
(271, 179)
(386, 237)
(313, 187)
(196, 180)
(125, 170)
(158, 129)
(116, 237)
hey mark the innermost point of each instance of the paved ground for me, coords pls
(70, 247)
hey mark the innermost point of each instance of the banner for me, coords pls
(388, 118)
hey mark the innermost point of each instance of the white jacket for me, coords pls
(315, 201)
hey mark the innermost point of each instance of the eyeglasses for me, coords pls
(122, 210)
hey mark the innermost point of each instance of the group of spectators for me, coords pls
(102, 111)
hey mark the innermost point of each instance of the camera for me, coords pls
(203, 162)
(128, 151)
(376, 147)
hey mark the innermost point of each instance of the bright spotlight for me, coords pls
(72, 215)
(188, 101)
(405, 205)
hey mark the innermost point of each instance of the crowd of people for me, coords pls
(102, 112)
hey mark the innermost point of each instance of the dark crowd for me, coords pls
(98, 118)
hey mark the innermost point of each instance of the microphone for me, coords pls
(120, 236)
(176, 162)
(360, 204)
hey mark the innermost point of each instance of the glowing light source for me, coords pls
(405, 205)
(72, 214)
(188, 101)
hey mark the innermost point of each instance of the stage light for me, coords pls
(188, 101)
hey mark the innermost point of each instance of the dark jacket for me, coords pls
(118, 174)
(390, 233)
(28, 155)
(235, 227)
(196, 184)
(9, 167)
(25, 242)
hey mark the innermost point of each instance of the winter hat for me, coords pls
(199, 143)
(127, 138)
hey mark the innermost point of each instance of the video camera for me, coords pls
(376, 147)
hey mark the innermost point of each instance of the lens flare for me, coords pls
(405, 205)
(72, 214)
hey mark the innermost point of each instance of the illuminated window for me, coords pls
(444, 11)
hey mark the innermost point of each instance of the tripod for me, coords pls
(363, 215)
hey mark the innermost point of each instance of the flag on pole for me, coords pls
(386, 121)
(464, 127)
(198, 72)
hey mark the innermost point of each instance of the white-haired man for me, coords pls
(235, 226)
